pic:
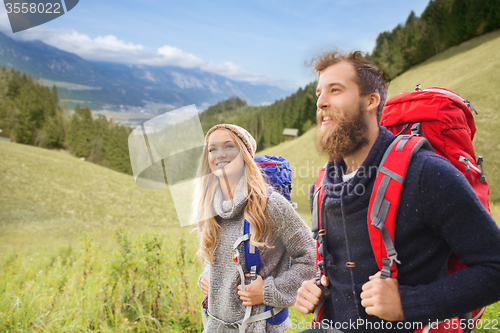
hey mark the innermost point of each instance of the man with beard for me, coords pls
(439, 213)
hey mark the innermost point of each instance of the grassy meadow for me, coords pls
(83, 249)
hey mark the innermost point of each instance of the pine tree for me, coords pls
(23, 131)
(116, 154)
(80, 131)
(55, 94)
(96, 144)
(72, 136)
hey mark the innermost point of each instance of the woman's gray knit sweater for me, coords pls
(292, 242)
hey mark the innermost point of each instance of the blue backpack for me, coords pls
(277, 173)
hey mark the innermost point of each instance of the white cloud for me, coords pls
(227, 68)
(169, 55)
(101, 48)
(111, 49)
(174, 56)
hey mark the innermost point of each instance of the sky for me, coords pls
(261, 42)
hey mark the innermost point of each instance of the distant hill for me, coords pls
(126, 87)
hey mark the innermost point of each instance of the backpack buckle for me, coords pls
(394, 258)
(253, 273)
(235, 257)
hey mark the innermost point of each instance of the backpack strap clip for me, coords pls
(253, 272)
(480, 160)
(416, 129)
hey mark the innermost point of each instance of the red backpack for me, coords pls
(447, 122)
(436, 116)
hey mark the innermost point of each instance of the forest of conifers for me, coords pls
(444, 23)
(30, 113)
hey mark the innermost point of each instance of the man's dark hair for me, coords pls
(370, 78)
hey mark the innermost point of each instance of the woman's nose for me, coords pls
(221, 154)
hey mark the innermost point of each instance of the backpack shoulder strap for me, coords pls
(384, 201)
(318, 234)
(316, 223)
(253, 263)
(252, 253)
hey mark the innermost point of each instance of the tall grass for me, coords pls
(142, 282)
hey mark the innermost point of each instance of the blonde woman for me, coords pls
(231, 189)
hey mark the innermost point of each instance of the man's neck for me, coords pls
(354, 161)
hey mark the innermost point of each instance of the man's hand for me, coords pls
(254, 292)
(380, 297)
(204, 284)
(309, 295)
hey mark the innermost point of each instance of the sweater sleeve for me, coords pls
(295, 235)
(206, 270)
(458, 219)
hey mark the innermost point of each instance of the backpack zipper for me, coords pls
(268, 163)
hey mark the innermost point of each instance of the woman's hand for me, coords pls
(254, 292)
(204, 284)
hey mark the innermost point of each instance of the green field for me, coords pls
(83, 249)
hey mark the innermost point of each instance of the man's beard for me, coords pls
(348, 136)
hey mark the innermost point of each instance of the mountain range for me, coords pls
(122, 87)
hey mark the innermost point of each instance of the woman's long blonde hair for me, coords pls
(254, 188)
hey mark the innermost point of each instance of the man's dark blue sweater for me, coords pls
(439, 213)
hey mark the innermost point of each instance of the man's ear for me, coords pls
(372, 102)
